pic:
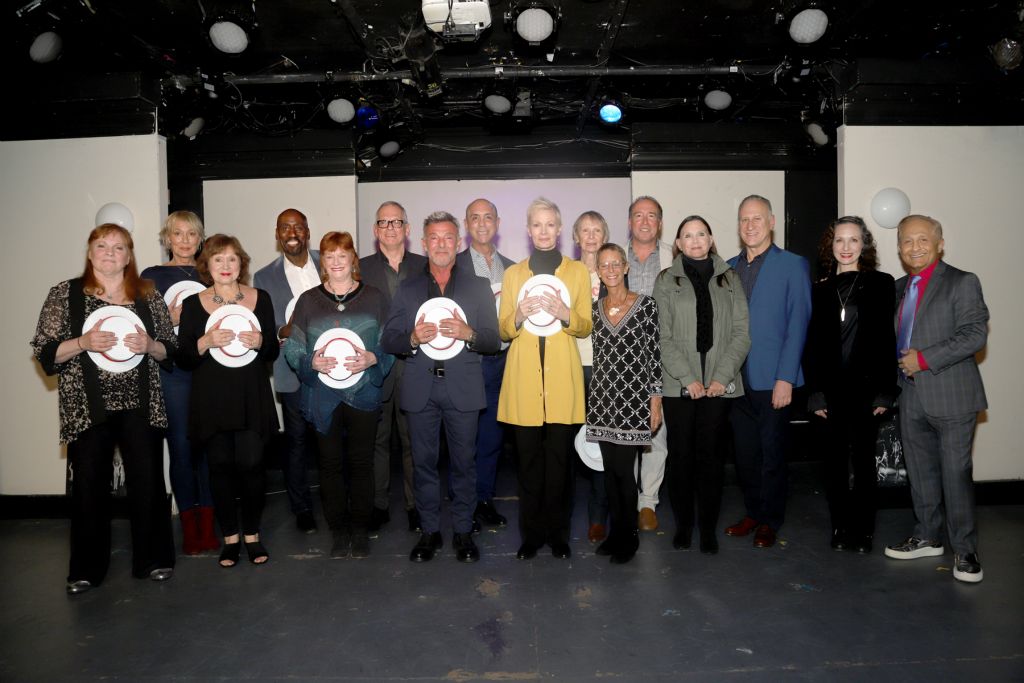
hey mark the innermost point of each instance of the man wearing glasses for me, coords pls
(389, 265)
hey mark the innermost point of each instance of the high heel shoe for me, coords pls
(230, 553)
(256, 552)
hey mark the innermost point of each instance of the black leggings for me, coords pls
(696, 464)
(347, 449)
(237, 472)
(545, 484)
(620, 487)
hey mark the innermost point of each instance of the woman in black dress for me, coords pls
(101, 408)
(851, 378)
(232, 413)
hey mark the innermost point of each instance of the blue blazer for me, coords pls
(462, 373)
(780, 309)
(271, 278)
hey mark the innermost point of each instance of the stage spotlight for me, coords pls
(497, 104)
(341, 110)
(367, 117)
(461, 21)
(717, 100)
(228, 36)
(389, 149)
(1006, 53)
(45, 48)
(535, 21)
(610, 111)
(194, 128)
(808, 25)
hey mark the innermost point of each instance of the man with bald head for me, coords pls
(941, 323)
(289, 275)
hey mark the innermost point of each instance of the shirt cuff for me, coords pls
(921, 362)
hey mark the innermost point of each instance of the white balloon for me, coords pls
(116, 213)
(889, 207)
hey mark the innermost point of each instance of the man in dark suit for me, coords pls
(941, 323)
(293, 272)
(385, 269)
(449, 391)
(778, 288)
(482, 258)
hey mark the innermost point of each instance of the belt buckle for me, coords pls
(437, 372)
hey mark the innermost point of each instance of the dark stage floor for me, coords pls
(798, 611)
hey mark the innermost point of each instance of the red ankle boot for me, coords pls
(190, 544)
(208, 539)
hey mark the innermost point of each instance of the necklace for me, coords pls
(614, 310)
(340, 299)
(219, 300)
(842, 304)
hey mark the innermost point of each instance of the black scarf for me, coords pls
(700, 273)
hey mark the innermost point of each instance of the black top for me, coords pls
(164, 277)
(228, 399)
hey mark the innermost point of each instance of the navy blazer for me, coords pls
(271, 279)
(462, 373)
(780, 309)
(951, 325)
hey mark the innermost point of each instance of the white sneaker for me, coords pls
(967, 568)
(913, 548)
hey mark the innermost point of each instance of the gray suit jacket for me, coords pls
(272, 279)
(951, 326)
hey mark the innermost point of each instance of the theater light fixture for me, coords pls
(341, 110)
(45, 48)
(610, 111)
(367, 117)
(717, 100)
(535, 21)
(497, 104)
(194, 128)
(817, 133)
(1006, 53)
(228, 36)
(458, 20)
(808, 26)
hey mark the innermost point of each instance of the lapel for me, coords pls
(766, 268)
(934, 284)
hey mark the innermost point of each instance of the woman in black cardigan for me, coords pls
(851, 379)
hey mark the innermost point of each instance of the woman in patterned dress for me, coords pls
(625, 394)
(100, 410)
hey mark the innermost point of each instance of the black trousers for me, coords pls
(545, 486)
(761, 435)
(92, 462)
(696, 464)
(237, 472)
(345, 461)
(621, 490)
(850, 433)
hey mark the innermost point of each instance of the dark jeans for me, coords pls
(761, 435)
(190, 476)
(237, 473)
(294, 466)
(545, 486)
(345, 458)
(621, 491)
(490, 435)
(696, 464)
(92, 462)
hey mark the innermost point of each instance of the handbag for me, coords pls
(889, 462)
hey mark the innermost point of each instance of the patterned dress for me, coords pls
(627, 372)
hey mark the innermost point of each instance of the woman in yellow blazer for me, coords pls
(542, 394)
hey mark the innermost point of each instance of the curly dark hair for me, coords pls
(827, 261)
(215, 245)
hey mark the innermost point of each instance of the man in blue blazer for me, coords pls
(450, 390)
(941, 323)
(778, 289)
(482, 258)
(290, 274)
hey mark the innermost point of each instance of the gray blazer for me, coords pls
(677, 315)
(951, 325)
(272, 279)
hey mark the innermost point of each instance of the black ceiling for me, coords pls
(907, 61)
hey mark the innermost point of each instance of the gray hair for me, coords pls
(592, 216)
(756, 198)
(646, 197)
(405, 216)
(494, 209)
(543, 204)
(936, 226)
(440, 217)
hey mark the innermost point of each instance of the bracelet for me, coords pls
(78, 340)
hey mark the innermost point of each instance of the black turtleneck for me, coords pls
(544, 263)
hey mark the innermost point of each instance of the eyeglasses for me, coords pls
(611, 265)
(391, 224)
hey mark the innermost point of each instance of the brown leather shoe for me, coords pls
(742, 527)
(764, 537)
(647, 521)
(597, 533)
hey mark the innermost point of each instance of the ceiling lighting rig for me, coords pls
(457, 21)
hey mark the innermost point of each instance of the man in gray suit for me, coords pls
(289, 275)
(941, 323)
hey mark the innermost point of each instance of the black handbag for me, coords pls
(889, 462)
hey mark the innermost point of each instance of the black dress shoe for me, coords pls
(414, 521)
(862, 544)
(709, 543)
(561, 550)
(426, 547)
(305, 522)
(465, 548)
(77, 587)
(839, 540)
(340, 545)
(527, 551)
(378, 518)
(161, 573)
(360, 545)
(486, 513)
(606, 548)
(682, 540)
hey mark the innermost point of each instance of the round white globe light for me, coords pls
(389, 149)
(717, 100)
(45, 48)
(808, 26)
(341, 110)
(889, 207)
(116, 213)
(817, 133)
(229, 37)
(534, 25)
(497, 104)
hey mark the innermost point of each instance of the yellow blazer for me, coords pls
(531, 395)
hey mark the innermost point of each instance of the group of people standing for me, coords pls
(659, 352)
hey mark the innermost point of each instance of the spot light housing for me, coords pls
(535, 22)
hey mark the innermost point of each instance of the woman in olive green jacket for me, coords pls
(704, 339)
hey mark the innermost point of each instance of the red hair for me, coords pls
(134, 286)
(339, 240)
